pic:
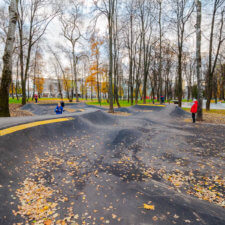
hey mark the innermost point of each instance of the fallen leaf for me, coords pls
(47, 222)
(155, 218)
(149, 207)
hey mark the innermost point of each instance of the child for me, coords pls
(194, 110)
(59, 109)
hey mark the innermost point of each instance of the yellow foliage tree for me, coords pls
(91, 82)
(39, 83)
(96, 71)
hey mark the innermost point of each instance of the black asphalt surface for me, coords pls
(102, 168)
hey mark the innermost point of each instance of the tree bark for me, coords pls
(198, 59)
(110, 24)
(7, 60)
(212, 64)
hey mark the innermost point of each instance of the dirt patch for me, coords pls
(15, 111)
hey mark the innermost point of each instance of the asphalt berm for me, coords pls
(149, 167)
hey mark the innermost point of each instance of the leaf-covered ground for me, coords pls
(15, 111)
(146, 168)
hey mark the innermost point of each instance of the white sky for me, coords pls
(53, 33)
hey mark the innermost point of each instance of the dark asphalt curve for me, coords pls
(148, 167)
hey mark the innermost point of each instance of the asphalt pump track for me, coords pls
(97, 168)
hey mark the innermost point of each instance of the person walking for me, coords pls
(194, 110)
(36, 98)
(59, 109)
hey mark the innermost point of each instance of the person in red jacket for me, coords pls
(194, 110)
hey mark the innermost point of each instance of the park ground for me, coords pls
(216, 116)
(143, 165)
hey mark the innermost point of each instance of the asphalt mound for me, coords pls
(48, 109)
(97, 107)
(126, 137)
(125, 110)
(148, 107)
(99, 118)
(178, 112)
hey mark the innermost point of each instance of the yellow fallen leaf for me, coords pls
(149, 207)
(46, 208)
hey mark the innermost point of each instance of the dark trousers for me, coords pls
(193, 117)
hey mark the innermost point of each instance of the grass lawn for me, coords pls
(123, 103)
(15, 101)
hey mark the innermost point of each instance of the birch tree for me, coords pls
(198, 58)
(7, 60)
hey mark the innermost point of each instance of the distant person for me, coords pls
(162, 99)
(62, 104)
(194, 110)
(36, 98)
(59, 109)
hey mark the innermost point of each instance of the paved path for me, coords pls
(146, 168)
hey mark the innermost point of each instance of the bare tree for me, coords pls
(108, 8)
(183, 11)
(7, 60)
(145, 14)
(70, 20)
(218, 4)
(35, 17)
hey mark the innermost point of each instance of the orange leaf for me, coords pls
(47, 222)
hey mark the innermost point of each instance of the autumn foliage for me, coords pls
(39, 83)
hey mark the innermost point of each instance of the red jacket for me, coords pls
(194, 108)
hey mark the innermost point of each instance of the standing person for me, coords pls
(62, 104)
(59, 109)
(36, 98)
(194, 110)
(162, 99)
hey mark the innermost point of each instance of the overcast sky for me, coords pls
(54, 36)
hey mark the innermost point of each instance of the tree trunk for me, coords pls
(17, 76)
(160, 48)
(180, 82)
(12, 90)
(212, 63)
(198, 59)
(7, 60)
(110, 24)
